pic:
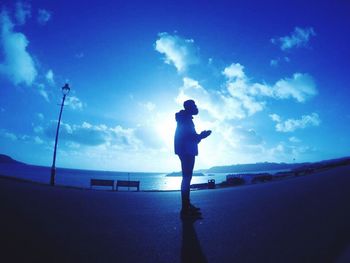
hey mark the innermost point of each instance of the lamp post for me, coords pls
(65, 91)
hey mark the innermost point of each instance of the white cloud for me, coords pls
(40, 116)
(38, 129)
(178, 51)
(20, 137)
(42, 91)
(8, 135)
(298, 38)
(274, 62)
(73, 145)
(243, 91)
(275, 117)
(235, 70)
(148, 105)
(23, 12)
(43, 16)
(96, 135)
(74, 102)
(79, 55)
(300, 87)
(248, 136)
(294, 139)
(18, 64)
(217, 104)
(241, 98)
(38, 140)
(44, 94)
(291, 125)
(283, 152)
(50, 77)
(30, 139)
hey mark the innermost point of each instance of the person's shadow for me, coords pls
(191, 251)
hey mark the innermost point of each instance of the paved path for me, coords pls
(305, 219)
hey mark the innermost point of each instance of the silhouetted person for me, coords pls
(186, 147)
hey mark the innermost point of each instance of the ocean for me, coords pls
(81, 178)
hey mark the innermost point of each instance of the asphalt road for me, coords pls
(305, 219)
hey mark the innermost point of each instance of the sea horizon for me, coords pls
(149, 181)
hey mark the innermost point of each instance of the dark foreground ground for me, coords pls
(305, 219)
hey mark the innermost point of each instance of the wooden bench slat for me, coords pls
(102, 182)
(123, 183)
(120, 183)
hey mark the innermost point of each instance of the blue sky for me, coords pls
(270, 79)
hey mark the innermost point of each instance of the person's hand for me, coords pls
(205, 134)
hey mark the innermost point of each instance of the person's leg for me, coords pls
(187, 165)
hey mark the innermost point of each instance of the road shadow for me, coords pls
(191, 251)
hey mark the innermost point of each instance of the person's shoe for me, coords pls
(194, 208)
(189, 213)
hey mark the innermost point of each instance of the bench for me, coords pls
(121, 183)
(102, 182)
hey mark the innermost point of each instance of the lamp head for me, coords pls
(65, 89)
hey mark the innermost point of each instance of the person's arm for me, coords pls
(198, 137)
(205, 134)
(189, 132)
(194, 136)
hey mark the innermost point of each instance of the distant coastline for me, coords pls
(160, 181)
(7, 159)
(176, 174)
(254, 167)
(236, 168)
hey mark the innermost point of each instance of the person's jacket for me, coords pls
(186, 138)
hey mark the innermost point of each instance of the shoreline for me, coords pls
(222, 185)
(160, 182)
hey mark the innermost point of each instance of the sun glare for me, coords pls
(165, 129)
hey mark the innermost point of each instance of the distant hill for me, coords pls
(254, 167)
(326, 164)
(7, 159)
(266, 166)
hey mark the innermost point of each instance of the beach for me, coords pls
(304, 219)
